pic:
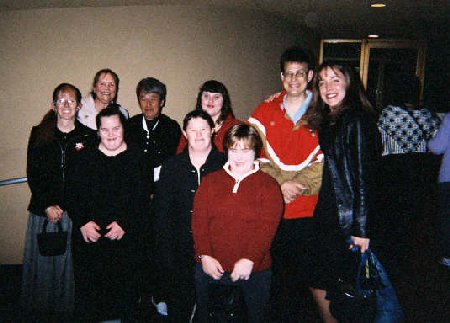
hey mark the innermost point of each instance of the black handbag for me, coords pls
(355, 300)
(226, 304)
(52, 243)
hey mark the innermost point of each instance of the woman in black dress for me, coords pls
(108, 199)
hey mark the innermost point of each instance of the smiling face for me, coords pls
(66, 105)
(111, 135)
(105, 89)
(198, 135)
(150, 104)
(332, 87)
(212, 103)
(241, 157)
(295, 78)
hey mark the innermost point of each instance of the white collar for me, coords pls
(144, 125)
(239, 179)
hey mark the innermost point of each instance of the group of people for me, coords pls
(96, 172)
(271, 206)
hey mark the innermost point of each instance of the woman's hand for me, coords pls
(115, 231)
(272, 97)
(242, 269)
(362, 243)
(54, 213)
(90, 232)
(212, 267)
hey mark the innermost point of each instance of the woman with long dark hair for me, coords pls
(213, 98)
(350, 141)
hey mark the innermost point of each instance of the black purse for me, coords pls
(355, 301)
(52, 243)
(226, 304)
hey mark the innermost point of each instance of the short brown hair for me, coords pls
(243, 132)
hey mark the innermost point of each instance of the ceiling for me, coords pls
(408, 19)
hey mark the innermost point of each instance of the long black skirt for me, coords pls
(105, 277)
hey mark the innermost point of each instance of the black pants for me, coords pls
(292, 269)
(179, 294)
(256, 292)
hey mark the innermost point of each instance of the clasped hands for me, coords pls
(291, 190)
(54, 213)
(90, 231)
(241, 270)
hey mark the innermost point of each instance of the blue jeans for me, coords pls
(256, 293)
(444, 219)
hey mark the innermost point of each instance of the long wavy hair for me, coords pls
(214, 86)
(47, 126)
(355, 98)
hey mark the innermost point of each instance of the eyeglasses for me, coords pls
(236, 150)
(62, 101)
(291, 75)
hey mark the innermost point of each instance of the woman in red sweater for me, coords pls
(213, 98)
(236, 213)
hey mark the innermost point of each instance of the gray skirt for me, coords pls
(47, 282)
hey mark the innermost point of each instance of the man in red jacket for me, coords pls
(292, 156)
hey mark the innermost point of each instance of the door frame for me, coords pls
(368, 44)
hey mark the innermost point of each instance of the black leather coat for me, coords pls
(352, 149)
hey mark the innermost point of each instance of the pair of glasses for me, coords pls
(236, 150)
(292, 75)
(61, 102)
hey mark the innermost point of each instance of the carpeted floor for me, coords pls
(430, 303)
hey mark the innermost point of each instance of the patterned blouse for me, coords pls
(406, 131)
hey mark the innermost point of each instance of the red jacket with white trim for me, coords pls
(291, 153)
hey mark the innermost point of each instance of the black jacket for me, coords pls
(159, 143)
(352, 151)
(172, 208)
(50, 164)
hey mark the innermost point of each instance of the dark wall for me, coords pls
(437, 72)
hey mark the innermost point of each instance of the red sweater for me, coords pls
(217, 137)
(230, 226)
(290, 150)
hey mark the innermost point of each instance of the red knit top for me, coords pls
(230, 226)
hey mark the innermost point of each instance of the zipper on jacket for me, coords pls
(63, 161)
(63, 146)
